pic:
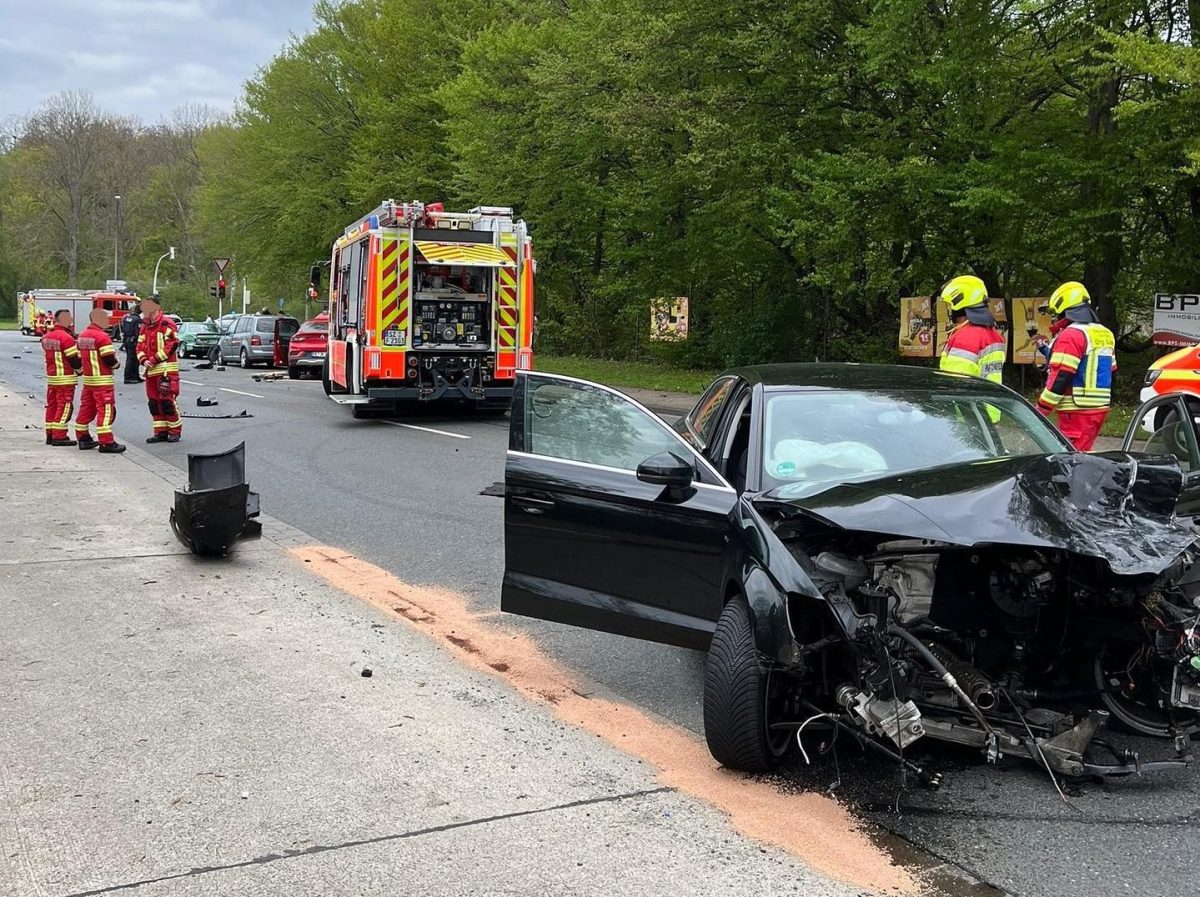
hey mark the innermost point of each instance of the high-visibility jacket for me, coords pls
(976, 350)
(158, 343)
(1082, 362)
(62, 356)
(99, 356)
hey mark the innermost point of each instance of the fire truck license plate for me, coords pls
(393, 338)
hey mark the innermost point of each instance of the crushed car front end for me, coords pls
(1014, 606)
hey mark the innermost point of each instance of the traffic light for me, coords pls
(221, 288)
(212, 292)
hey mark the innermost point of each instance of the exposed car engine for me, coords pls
(1010, 650)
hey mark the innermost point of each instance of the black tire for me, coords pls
(293, 372)
(326, 383)
(362, 412)
(244, 359)
(1143, 715)
(736, 689)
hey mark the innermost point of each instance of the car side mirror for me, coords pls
(314, 277)
(666, 469)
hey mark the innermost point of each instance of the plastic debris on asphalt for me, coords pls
(240, 414)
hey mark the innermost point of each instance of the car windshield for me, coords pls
(196, 327)
(813, 439)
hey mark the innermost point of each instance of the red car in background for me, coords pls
(308, 347)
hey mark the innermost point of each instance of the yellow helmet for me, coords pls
(1069, 295)
(964, 292)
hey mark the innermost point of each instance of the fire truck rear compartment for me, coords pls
(443, 322)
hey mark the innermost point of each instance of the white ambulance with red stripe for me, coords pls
(428, 305)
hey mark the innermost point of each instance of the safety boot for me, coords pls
(87, 442)
(64, 441)
(111, 448)
(173, 438)
(157, 437)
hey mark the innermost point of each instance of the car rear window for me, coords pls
(265, 325)
(310, 327)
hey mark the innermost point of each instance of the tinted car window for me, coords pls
(287, 327)
(265, 325)
(814, 438)
(703, 418)
(582, 423)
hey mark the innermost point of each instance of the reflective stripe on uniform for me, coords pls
(1091, 386)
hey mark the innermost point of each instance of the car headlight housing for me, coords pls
(1152, 375)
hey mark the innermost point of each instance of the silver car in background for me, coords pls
(251, 340)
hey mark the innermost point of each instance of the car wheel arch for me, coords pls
(768, 606)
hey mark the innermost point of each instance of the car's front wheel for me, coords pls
(741, 698)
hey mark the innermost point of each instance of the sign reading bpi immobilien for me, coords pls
(1176, 319)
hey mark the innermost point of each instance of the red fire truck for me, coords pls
(427, 305)
(45, 303)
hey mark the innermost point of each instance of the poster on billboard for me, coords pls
(1176, 319)
(917, 324)
(669, 319)
(1030, 322)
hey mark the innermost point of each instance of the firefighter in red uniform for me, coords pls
(157, 351)
(98, 401)
(974, 346)
(1082, 361)
(62, 365)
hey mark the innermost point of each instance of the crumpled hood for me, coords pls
(1113, 506)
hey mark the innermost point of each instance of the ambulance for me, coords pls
(428, 305)
(1178, 371)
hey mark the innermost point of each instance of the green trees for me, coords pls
(792, 167)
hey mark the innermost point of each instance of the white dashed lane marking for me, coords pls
(238, 392)
(396, 423)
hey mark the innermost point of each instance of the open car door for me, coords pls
(1167, 425)
(285, 329)
(611, 520)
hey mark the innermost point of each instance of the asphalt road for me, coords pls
(405, 494)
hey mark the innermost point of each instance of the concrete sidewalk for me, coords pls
(172, 726)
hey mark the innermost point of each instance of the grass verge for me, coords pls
(1118, 420)
(626, 373)
(10, 325)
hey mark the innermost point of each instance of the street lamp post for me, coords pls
(117, 240)
(170, 253)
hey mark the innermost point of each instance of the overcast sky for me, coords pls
(139, 57)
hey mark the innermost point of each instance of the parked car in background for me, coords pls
(309, 347)
(197, 338)
(251, 339)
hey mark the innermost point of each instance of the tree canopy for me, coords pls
(794, 168)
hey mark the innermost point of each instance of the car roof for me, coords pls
(853, 376)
